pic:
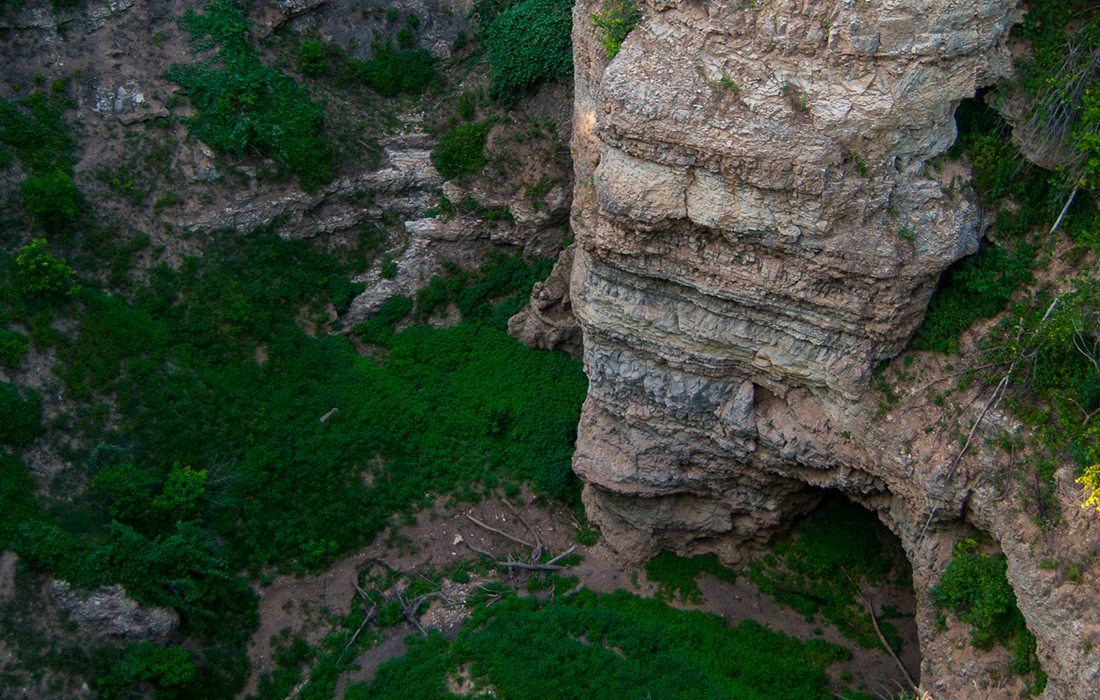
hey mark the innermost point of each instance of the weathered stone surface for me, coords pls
(108, 611)
(756, 230)
(548, 322)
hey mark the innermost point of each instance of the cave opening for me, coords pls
(847, 574)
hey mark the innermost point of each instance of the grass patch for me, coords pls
(608, 646)
(676, 577)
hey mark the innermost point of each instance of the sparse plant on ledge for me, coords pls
(614, 21)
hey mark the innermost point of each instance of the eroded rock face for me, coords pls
(757, 228)
(109, 612)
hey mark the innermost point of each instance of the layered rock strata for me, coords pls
(758, 226)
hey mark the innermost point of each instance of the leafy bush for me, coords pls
(17, 495)
(168, 670)
(53, 200)
(245, 106)
(609, 646)
(311, 57)
(13, 347)
(528, 43)
(676, 576)
(461, 151)
(391, 73)
(20, 417)
(614, 21)
(975, 588)
(43, 275)
(381, 326)
(975, 288)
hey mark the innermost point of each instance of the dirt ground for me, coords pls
(437, 541)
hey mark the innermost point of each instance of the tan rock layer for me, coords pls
(757, 228)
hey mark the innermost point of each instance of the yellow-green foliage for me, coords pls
(1090, 480)
(615, 20)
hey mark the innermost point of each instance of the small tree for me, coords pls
(43, 275)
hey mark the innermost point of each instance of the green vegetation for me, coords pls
(818, 570)
(20, 416)
(608, 646)
(1050, 348)
(1060, 78)
(614, 21)
(489, 295)
(43, 276)
(222, 409)
(393, 72)
(461, 151)
(34, 132)
(246, 107)
(975, 588)
(166, 670)
(676, 576)
(311, 57)
(13, 347)
(527, 43)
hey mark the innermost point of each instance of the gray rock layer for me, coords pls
(757, 228)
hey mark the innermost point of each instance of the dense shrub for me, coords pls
(676, 576)
(43, 275)
(168, 671)
(528, 43)
(244, 106)
(393, 72)
(974, 586)
(13, 347)
(311, 57)
(53, 200)
(17, 495)
(461, 151)
(20, 416)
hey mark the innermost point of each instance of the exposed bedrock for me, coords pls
(757, 228)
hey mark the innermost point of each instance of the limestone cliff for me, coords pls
(758, 228)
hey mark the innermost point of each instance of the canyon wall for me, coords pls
(758, 227)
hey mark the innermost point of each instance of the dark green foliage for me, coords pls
(489, 295)
(461, 151)
(53, 200)
(311, 57)
(614, 21)
(16, 495)
(527, 43)
(13, 347)
(609, 646)
(975, 288)
(975, 588)
(246, 107)
(817, 570)
(1057, 387)
(36, 134)
(20, 416)
(167, 671)
(676, 576)
(381, 326)
(393, 72)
